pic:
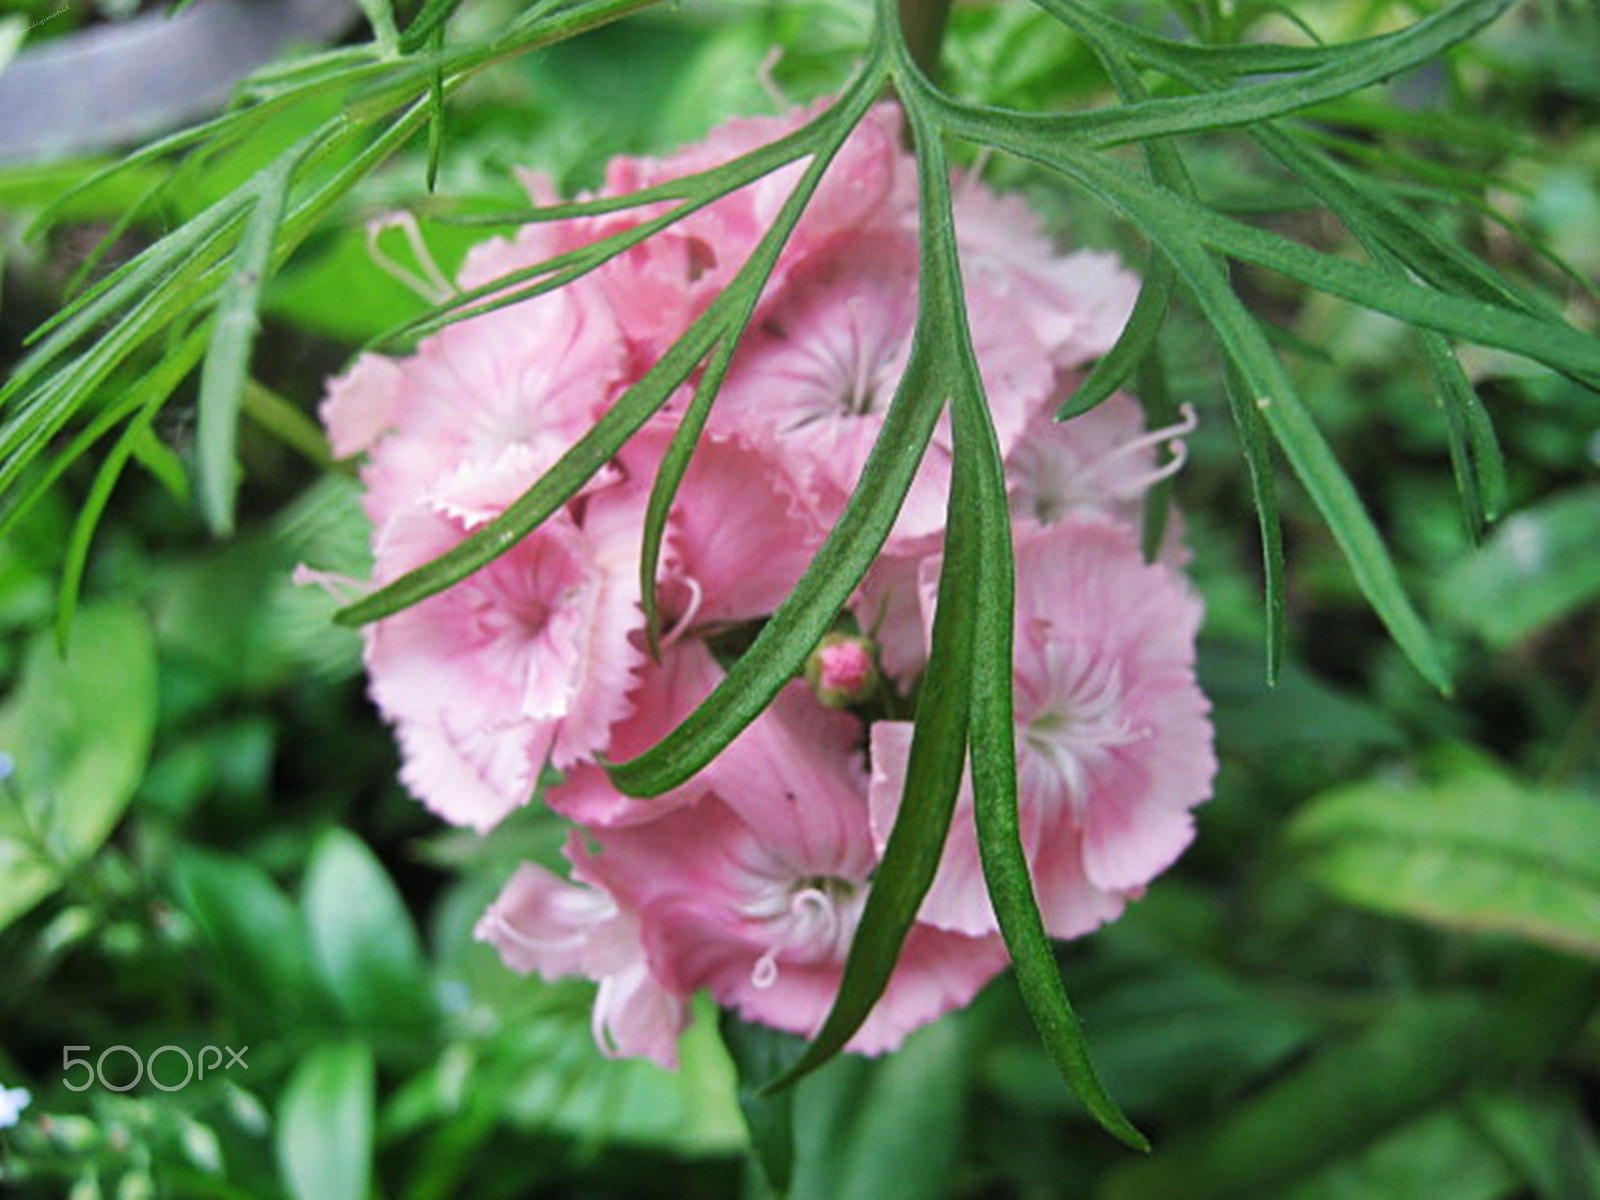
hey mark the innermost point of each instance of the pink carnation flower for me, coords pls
(559, 929)
(533, 375)
(660, 286)
(1075, 304)
(528, 659)
(754, 890)
(1113, 739)
(1102, 461)
(815, 379)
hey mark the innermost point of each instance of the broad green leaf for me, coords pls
(1539, 566)
(77, 733)
(758, 1054)
(255, 937)
(1352, 1093)
(904, 1137)
(1441, 1153)
(324, 1138)
(365, 945)
(1472, 850)
(1171, 1032)
(1545, 1134)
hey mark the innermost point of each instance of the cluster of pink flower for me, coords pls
(749, 880)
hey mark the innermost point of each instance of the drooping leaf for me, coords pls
(324, 1139)
(364, 943)
(1472, 849)
(76, 735)
(1539, 566)
(255, 937)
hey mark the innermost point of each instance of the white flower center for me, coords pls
(808, 920)
(1077, 717)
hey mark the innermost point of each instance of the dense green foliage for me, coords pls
(1361, 239)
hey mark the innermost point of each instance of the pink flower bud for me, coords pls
(841, 670)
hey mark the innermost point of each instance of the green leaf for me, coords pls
(227, 363)
(94, 505)
(324, 1140)
(1275, 396)
(1539, 566)
(1441, 1153)
(758, 1054)
(938, 743)
(978, 543)
(365, 945)
(1349, 70)
(1353, 1092)
(1133, 344)
(903, 1138)
(255, 937)
(1164, 215)
(77, 731)
(1471, 850)
(1264, 496)
(749, 284)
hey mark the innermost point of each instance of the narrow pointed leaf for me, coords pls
(227, 361)
(1274, 395)
(978, 499)
(1549, 341)
(1264, 496)
(749, 284)
(1136, 341)
(553, 489)
(939, 740)
(780, 649)
(88, 520)
(1413, 46)
(932, 782)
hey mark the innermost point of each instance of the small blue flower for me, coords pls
(12, 1102)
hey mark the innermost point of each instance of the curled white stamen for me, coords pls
(1171, 436)
(813, 917)
(431, 285)
(765, 973)
(696, 597)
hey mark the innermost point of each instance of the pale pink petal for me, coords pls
(540, 923)
(472, 776)
(360, 405)
(741, 531)
(666, 693)
(1075, 304)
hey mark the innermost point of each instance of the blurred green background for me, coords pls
(1373, 976)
